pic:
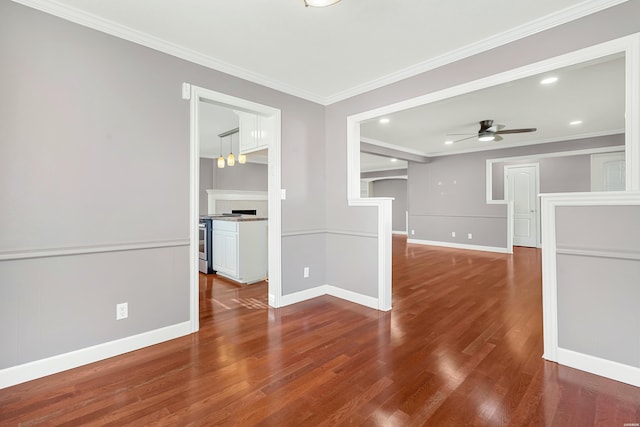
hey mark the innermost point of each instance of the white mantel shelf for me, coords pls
(215, 195)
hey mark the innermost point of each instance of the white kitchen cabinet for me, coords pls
(256, 132)
(240, 250)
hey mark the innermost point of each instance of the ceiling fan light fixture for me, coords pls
(319, 3)
(486, 138)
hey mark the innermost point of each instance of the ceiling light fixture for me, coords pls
(448, 142)
(486, 137)
(220, 158)
(319, 3)
(548, 80)
(575, 122)
(384, 121)
(394, 160)
(231, 159)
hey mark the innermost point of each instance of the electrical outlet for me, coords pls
(453, 234)
(469, 236)
(413, 232)
(305, 272)
(122, 311)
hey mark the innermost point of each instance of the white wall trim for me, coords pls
(334, 291)
(557, 18)
(599, 253)
(383, 205)
(215, 195)
(110, 27)
(549, 203)
(629, 45)
(400, 232)
(62, 362)
(93, 249)
(595, 365)
(144, 39)
(454, 245)
(330, 231)
(196, 95)
(535, 157)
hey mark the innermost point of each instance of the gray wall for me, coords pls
(396, 188)
(448, 195)
(609, 24)
(95, 153)
(247, 177)
(559, 174)
(205, 183)
(598, 266)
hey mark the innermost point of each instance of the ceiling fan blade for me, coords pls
(464, 139)
(497, 138)
(503, 132)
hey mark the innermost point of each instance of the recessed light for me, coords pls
(575, 122)
(394, 160)
(385, 120)
(548, 80)
(448, 142)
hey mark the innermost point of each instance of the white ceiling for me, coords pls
(592, 92)
(322, 54)
(329, 54)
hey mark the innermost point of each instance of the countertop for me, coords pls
(235, 217)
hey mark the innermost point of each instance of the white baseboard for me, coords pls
(460, 246)
(334, 291)
(62, 362)
(404, 233)
(595, 365)
(354, 297)
(303, 295)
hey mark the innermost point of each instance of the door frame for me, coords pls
(196, 94)
(511, 215)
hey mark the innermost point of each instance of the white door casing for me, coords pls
(522, 187)
(195, 95)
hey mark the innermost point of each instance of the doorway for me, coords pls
(196, 96)
(522, 188)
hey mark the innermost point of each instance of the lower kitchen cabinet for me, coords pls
(240, 250)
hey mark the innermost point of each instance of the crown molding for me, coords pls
(395, 147)
(95, 22)
(555, 19)
(103, 25)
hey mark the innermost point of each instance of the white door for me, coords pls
(608, 172)
(521, 186)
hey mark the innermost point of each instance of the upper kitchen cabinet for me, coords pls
(256, 132)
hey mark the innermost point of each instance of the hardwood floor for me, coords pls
(462, 346)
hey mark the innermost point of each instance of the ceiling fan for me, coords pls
(490, 132)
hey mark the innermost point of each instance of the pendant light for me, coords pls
(231, 160)
(242, 159)
(220, 158)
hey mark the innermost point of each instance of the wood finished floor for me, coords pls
(462, 346)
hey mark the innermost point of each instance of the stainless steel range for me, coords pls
(205, 253)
